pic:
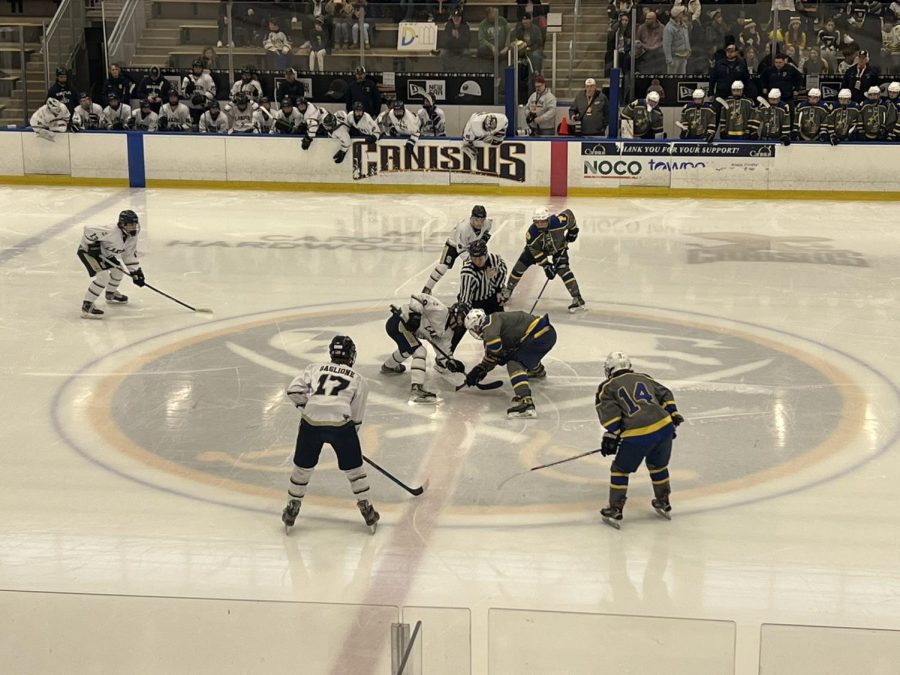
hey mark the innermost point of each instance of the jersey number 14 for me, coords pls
(639, 394)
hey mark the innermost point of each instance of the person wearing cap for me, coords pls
(143, 118)
(893, 100)
(784, 77)
(874, 113)
(364, 89)
(809, 120)
(540, 109)
(727, 71)
(860, 77)
(454, 40)
(248, 85)
(155, 88)
(749, 36)
(698, 118)
(174, 115)
(649, 45)
(432, 119)
(772, 122)
(795, 36)
(290, 86)
(844, 122)
(676, 41)
(213, 120)
(590, 111)
(87, 113)
(735, 116)
(116, 114)
(528, 32)
(644, 117)
(493, 35)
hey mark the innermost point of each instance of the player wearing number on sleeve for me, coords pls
(477, 227)
(332, 398)
(640, 416)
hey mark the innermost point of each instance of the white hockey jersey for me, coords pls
(342, 131)
(434, 313)
(312, 116)
(116, 117)
(294, 118)
(475, 131)
(208, 125)
(364, 126)
(241, 121)
(44, 119)
(144, 122)
(464, 234)
(253, 89)
(198, 84)
(177, 118)
(262, 120)
(113, 242)
(87, 118)
(330, 394)
(433, 122)
(399, 127)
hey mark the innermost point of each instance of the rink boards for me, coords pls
(519, 166)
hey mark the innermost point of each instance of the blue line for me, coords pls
(136, 173)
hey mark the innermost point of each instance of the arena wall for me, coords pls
(555, 167)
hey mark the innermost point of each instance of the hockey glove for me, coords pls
(306, 142)
(504, 295)
(190, 88)
(677, 418)
(486, 237)
(117, 125)
(834, 140)
(339, 156)
(456, 366)
(282, 126)
(413, 322)
(550, 270)
(710, 138)
(392, 131)
(785, 141)
(572, 234)
(410, 144)
(198, 100)
(610, 444)
(138, 277)
(476, 375)
(163, 124)
(370, 138)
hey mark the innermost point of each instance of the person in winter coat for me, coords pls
(677, 42)
(63, 91)
(540, 110)
(155, 88)
(591, 109)
(726, 72)
(860, 77)
(118, 83)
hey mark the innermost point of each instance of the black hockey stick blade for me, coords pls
(413, 491)
(484, 387)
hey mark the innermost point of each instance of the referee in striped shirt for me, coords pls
(482, 278)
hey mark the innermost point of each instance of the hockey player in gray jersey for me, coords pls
(174, 115)
(640, 416)
(102, 251)
(87, 114)
(51, 118)
(809, 120)
(263, 117)
(772, 122)
(143, 119)
(643, 118)
(335, 125)
(361, 123)
(698, 119)
(240, 115)
(398, 122)
(332, 398)
(893, 100)
(432, 120)
(213, 121)
(844, 122)
(309, 125)
(116, 114)
(248, 85)
(199, 90)
(476, 227)
(288, 120)
(736, 114)
(518, 339)
(423, 319)
(484, 129)
(876, 115)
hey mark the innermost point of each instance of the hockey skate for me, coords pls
(289, 515)
(387, 370)
(538, 372)
(577, 305)
(662, 507)
(88, 311)
(116, 298)
(612, 514)
(417, 394)
(369, 513)
(523, 406)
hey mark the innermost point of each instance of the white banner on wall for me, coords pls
(417, 37)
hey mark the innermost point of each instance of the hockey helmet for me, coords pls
(247, 71)
(241, 100)
(456, 317)
(478, 249)
(873, 93)
(427, 100)
(301, 103)
(112, 96)
(475, 322)
(197, 63)
(62, 71)
(329, 122)
(173, 93)
(774, 94)
(478, 211)
(264, 100)
(737, 85)
(342, 350)
(698, 93)
(399, 108)
(541, 214)
(490, 122)
(54, 106)
(214, 105)
(653, 97)
(844, 95)
(145, 103)
(287, 102)
(894, 88)
(814, 94)
(615, 362)
(128, 223)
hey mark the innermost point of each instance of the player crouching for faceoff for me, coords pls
(423, 319)
(332, 397)
(547, 244)
(517, 339)
(98, 250)
(640, 416)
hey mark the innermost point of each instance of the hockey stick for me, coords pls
(721, 101)
(763, 102)
(681, 126)
(413, 491)
(537, 299)
(202, 310)
(544, 466)
(484, 387)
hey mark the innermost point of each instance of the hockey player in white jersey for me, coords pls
(263, 117)
(87, 114)
(214, 121)
(174, 115)
(103, 250)
(484, 129)
(240, 115)
(51, 118)
(309, 127)
(288, 120)
(199, 89)
(116, 114)
(335, 125)
(361, 124)
(423, 319)
(476, 227)
(248, 85)
(143, 119)
(432, 120)
(332, 398)
(398, 122)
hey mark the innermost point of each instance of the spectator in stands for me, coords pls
(116, 114)
(359, 16)
(650, 58)
(364, 89)
(727, 71)
(317, 9)
(783, 76)
(209, 59)
(290, 86)
(829, 40)
(860, 77)
(246, 27)
(590, 110)
(118, 83)
(222, 23)
(493, 35)
(677, 41)
(248, 84)
(277, 46)
(527, 32)
(849, 51)
(863, 24)
(717, 30)
(454, 40)
(749, 36)
(890, 44)
(619, 40)
(343, 20)
(751, 58)
(540, 110)
(319, 46)
(815, 64)
(532, 7)
(155, 88)
(795, 37)
(62, 91)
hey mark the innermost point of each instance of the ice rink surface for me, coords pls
(149, 453)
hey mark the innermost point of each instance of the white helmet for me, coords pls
(698, 93)
(54, 106)
(541, 213)
(894, 88)
(615, 362)
(874, 91)
(737, 84)
(653, 97)
(844, 94)
(475, 320)
(774, 94)
(815, 93)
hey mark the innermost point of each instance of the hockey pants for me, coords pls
(102, 276)
(407, 345)
(345, 442)
(534, 347)
(656, 449)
